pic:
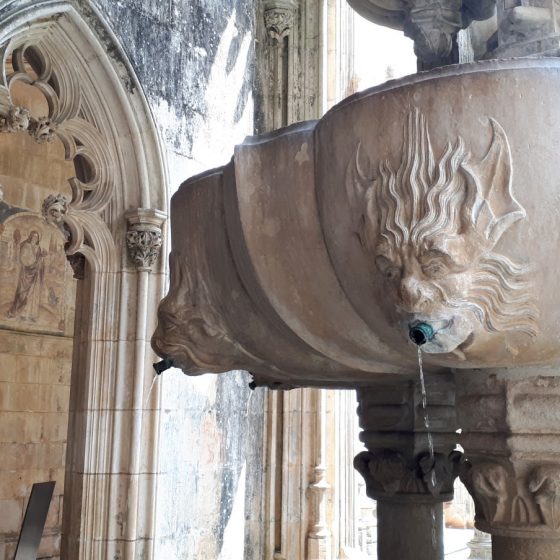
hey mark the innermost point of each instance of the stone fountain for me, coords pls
(421, 213)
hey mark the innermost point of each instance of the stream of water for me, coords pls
(150, 391)
(433, 479)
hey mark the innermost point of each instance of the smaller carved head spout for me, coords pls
(431, 228)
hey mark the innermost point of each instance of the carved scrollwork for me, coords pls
(544, 483)
(387, 474)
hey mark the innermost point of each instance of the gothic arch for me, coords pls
(114, 221)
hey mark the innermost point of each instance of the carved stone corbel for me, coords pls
(279, 18)
(144, 237)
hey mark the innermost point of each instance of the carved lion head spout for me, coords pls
(431, 226)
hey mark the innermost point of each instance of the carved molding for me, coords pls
(444, 218)
(144, 237)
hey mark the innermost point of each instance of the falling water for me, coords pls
(150, 391)
(430, 442)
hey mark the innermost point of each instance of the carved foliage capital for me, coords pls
(144, 237)
(144, 244)
(388, 475)
(279, 18)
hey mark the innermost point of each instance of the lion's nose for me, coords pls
(415, 297)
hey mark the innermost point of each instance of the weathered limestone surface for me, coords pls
(331, 241)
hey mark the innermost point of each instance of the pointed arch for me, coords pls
(97, 109)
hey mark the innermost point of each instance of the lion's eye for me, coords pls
(435, 269)
(393, 273)
(389, 270)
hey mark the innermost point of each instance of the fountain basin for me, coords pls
(430, 200)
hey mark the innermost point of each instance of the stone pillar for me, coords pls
(511, 437)
(409, 484)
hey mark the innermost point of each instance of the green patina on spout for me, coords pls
(420, 333)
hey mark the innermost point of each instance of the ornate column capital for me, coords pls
(397, 465)
(512, 442)
(144, 237)
(390, 476)
(279, 17)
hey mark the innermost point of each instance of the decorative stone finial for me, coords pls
(144, 237)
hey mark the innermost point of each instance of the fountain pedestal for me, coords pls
(409, 484)
(512, 442)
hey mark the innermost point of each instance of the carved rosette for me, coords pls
(144, 237)
(279, 18)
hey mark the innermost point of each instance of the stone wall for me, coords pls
(37, 298)
(195, 63)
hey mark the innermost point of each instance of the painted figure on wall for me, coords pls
(30, 280)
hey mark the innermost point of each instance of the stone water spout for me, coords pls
(422, 212)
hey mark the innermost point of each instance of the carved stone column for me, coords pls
(409, 484)
(511, 437)
(279, 20)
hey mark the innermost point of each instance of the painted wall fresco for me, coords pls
(35, 278)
